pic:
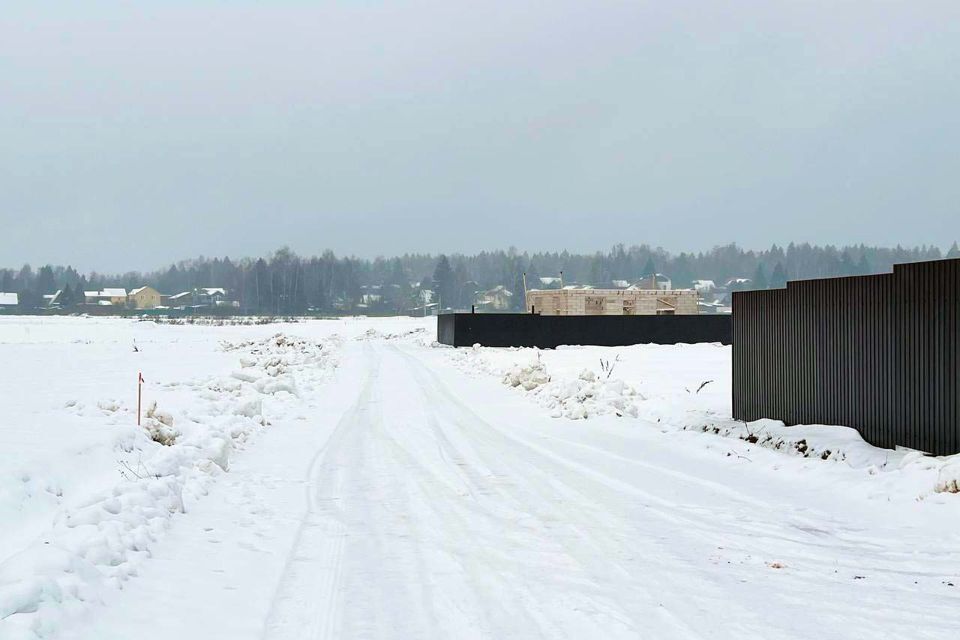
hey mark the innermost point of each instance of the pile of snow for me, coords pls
(379, 334)
(924, 474)
(291, 349)
(576, 397)
(808, 441)
(100, 542)
(269, 364)
(527, 377)
(159, 425)
(948, 475)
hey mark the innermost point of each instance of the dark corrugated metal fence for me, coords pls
(877, 353)
(548, 332)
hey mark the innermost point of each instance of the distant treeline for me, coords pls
(285, 283)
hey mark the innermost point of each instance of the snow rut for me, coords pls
(307, 603)
(430, 518)
(670, 553)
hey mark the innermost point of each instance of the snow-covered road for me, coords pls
(418, 502)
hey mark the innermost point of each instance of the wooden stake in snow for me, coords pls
(139, 394)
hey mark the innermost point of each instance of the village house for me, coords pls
(497, 299)
(656, 281)
(210, 296)
(116, 297)
(178, 300)
(199, 297)
(736, 284)
(425, 304)
(144, 298)
(9, 301)
(704, 286)
(52, 300)
(549, 282)
(714, 307)
(370, 296)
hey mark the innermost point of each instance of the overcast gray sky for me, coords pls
(138, 133)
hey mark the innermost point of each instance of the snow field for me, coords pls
(371, 486)
(84, 530)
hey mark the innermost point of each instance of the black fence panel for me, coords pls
(878, 353)
(548, 332)
(446, 333)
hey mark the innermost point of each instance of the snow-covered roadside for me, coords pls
(687, 388)
(571, 382)
(418, 502)
(81, 515)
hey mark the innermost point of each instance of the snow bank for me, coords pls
(416, 334)
(576, 397)
(226, 321)
(165, 466)
(687, 388)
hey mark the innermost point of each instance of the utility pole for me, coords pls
(524, 291)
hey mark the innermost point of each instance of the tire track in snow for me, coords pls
(426, 519)
(753, 527)
(312, 568)
(456, 590)
(550, 473)
(537, 491)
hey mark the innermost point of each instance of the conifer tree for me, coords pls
(649, 269)
(444, 284)
(760, 278)
(66, 299)
(779, 278)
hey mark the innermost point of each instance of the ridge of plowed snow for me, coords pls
(576, 397)
(100, 544)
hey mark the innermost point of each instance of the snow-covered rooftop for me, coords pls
(499, 289)
(106, 293)
(9, 299)
(704, 285)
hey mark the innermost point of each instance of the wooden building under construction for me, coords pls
(612, 302)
